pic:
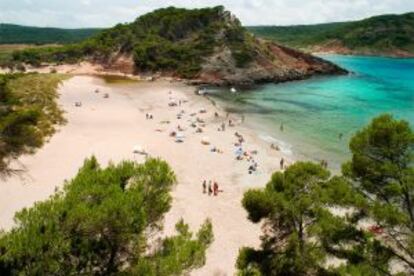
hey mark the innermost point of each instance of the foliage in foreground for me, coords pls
(291, 204)
(28, 113)
(100, 224)
(375, 193)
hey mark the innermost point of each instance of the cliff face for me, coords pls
(271, 63)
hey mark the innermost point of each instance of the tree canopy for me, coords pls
(12, 34)
(101, 224)
(372, 234)
(379, 34)
(381, 172)
(289, 205)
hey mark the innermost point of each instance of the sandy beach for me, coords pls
(110, 127)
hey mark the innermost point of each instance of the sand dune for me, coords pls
(110, 128)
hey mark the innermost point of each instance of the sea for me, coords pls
(315, 119)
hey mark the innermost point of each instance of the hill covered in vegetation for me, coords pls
(16, 34)
(390, 35)
(206, 45)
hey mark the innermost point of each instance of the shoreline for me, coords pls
(110, 128)
(356, 54)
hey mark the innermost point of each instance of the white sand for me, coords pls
(110, 128)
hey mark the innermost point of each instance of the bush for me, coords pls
(100, 224)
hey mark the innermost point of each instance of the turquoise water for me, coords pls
(316, 112)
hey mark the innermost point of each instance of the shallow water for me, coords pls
(315, 113)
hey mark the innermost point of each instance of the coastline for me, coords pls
(360, 54)
(111, 127)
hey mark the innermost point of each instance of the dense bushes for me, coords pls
(100, 224)
(28, 114)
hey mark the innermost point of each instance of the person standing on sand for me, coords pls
(215, 188)
(210, 190)
(204, 187)
(282, 163)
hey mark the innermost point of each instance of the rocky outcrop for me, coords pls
(272, 63)
(236, 57)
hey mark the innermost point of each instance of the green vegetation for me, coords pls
(300, 36)
(7, 50)
(116, 79)
(301, 232)
(15, 34)
(100, 224)
(380, 34)
(28, 113)
(290, 205)
(170, 40)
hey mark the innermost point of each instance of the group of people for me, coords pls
(211, 188)
(275, 147)
(149, 116)
(253, 167)
(223, 124)
(240, 138)
(248, 156)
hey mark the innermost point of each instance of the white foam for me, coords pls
(285, 148)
